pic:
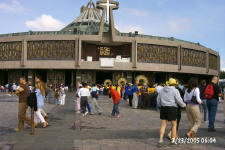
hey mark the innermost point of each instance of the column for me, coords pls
(76, 52)
(24, 53)
(129, 77)
(179, 57)
(134, 53)
(31, 77)
(79, 52)
(78, 77)
(207, 61)
(218, 64)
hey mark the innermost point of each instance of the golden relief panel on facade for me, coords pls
(51, 50)
(10, 51)
(148, 53)
(104, 51)
(193, 58)
(213, 62)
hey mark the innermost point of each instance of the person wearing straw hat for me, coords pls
(168, 100)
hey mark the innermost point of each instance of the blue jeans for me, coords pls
(88, 107)
(205, 109)
(115, 110)
(139, 102)
(212, 109)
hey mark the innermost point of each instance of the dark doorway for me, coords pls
(102, 76)
(68, 78)
(42, 74)
(3, 77)
(160, 77)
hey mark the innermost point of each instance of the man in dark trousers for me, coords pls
(212, 103)
(23, 92)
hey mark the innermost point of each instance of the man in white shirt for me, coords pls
(84, 94)
(14, 87)
(158, 88)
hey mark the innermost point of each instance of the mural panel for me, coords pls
(51, 50)
(148, 53)
(194, 58)
(10, 51)
(213, 63)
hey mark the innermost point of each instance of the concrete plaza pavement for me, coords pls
(135, 130)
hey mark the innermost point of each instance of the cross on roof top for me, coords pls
(107, 4)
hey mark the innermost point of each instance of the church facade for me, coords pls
(91, 49)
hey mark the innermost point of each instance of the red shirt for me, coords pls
(115, 96)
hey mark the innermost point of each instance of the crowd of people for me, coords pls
(8, 88)
(170, 98)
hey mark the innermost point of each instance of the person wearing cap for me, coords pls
(168, 100)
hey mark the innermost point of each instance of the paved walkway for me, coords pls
(135, 130)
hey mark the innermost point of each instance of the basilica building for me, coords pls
(91, 49)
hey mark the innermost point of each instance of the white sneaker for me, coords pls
(85, 114)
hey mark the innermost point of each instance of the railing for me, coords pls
(154, 37)
(84, 33)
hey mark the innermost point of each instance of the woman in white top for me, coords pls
(192, 108)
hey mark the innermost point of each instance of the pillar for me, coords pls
(134, 53)
(179, 57)
(129, 77)
(24, 53)
(76, 52)
(78, 77)
(31, 77)
(207, 61)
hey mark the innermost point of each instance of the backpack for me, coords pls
(32, 101)
(209, 91)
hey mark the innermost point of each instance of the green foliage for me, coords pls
(222, 75)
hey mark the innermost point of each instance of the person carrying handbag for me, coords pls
(192, 98)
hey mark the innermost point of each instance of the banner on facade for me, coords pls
(107, 62)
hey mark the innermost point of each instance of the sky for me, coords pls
(199, 21)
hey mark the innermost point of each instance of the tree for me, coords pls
(222, 75)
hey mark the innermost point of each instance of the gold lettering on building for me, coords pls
(104, 51)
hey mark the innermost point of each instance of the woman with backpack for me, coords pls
(192, 98)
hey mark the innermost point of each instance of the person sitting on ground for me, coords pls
(168, 100)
